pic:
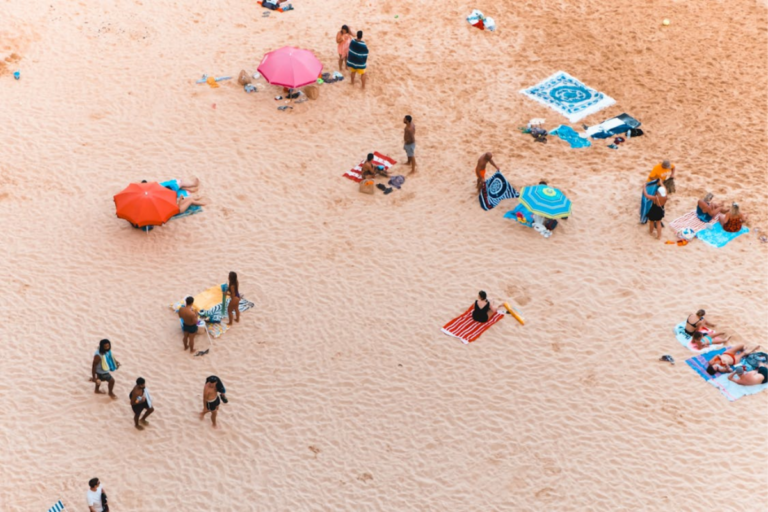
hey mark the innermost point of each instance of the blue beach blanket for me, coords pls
(699, 363)
(570, 136)
(190, 211)
(568, 96)
(645, 204)
(716, 236)
(730, 390)
(495, 190)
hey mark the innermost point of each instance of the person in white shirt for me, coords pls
(94, 495)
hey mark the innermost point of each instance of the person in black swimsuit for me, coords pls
(695, 323)
(483, 308)
(211, 400)
(657, 210)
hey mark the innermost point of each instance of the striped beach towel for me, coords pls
(690, 220)
(357, 58)
(466, 329)
(355, 174)
(58, 507)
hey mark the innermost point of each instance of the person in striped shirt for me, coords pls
(357, 58)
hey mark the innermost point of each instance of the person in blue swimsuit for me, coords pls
(707, 209)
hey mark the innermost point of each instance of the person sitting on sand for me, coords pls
(701, 341)
(707, 209)
(233, 291)
(657, 209)
(750, 378)
(483, 308)
(482, 162)
(99, 373)
(724, 362)
(190, 319)
(183, 189)
(733, 220)
(140, 401)
(369, 169)
(211, 400)
(696, 321)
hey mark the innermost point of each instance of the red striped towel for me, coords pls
(466, 329)
(378, 159)
(690, 220)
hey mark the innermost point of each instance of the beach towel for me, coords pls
(108, 362)
(466, 329)
(355, 174)
(570, 136)
(621, 124)
(686, 340)
(645, 204)
(691, 220)
(716, 236)
(521, 214)
(733, 391)
(699, 363)
(495, 190)
(190, 211)
(569, 97)
(357, 57)
(58, 507)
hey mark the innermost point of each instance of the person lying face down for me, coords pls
(751, 378)
(725, 362)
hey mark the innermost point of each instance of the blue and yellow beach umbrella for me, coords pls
(546, 201)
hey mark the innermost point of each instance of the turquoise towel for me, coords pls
(190, 211)
(107, 358)
(716, 236)
(570, 136)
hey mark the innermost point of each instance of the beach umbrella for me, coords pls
(146, 204)
(546, 201)
(290, 67)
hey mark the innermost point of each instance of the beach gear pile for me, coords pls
(477, 19)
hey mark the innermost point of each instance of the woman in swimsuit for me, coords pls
(343, 39)
(233, 290)
(695, 322)
(752, 378)
(706, 209)
(724, 362)
(701, 340)
(733, 220)
(483, 307)
(657, 209)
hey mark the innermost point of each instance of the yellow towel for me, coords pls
(209, 298)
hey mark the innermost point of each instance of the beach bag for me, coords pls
(367, 186)
(244, 78)
(312, 92)
(686, 234)
(550, 224)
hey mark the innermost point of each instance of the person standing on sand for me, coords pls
(484, 160)
(409, 140)
(140, 400)
(657, 209)
(233, 291)
(343, 38)
(211, 400)
(190, 318)
(103, 362)
(357, 57)
(96, 498)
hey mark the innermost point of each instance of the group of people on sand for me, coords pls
(745, 366)
(731, 218)
(353, 53)
(214, 392)
(184, 189)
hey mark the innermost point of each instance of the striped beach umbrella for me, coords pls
(546, 201)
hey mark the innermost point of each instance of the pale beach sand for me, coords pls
(344, 394)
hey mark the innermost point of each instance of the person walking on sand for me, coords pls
(357, 57)
(190, 319)
(95, 497)
(657, 209)
(343, 38)
(141, 401)
(233, 291)
(482, 162)
(409, 141)
(211, 400)
(103, 363)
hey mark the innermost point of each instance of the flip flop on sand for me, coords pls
(203, 352)
(387, 190)
(381, 187)
(284, 107)
(667, 358)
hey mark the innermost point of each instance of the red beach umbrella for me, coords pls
(146, 204)
(290, 67)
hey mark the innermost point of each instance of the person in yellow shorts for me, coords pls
(357, 57)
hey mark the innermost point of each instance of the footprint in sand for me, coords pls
(365, 477)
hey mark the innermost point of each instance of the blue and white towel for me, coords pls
(566, 95)
(645, 204)
(107, 361)
(570, 136)
(58, 507)
(357, 58)
(495, 190)
(716, 236)
(147, 397)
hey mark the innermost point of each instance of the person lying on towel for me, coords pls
(725, 362)
(751, 378)
(484, 308)
(701, 341)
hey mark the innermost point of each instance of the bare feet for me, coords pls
(139, 427)
(202, 415)
(144, 422)
(99, 392)
(112, 396)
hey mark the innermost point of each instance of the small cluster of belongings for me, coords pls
(476, 19)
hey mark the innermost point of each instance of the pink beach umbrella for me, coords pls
(290, 67)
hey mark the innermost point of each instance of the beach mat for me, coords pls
(355, 174)
(466, 329)
(495, 190)
(691, 220)
(716, 236)
(685, 339)
(568, 96)
(645, 204)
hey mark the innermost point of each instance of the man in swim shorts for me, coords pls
(211, 400)
(409, 140)
(482, 162)
(140, 402)
(190, 319)
(357, 57)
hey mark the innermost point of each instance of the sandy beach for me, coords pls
(343, 392)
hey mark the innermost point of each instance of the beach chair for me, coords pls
(58, 507)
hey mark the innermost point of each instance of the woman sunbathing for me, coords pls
(483, 307)
(751, 378)
(707, 209)
(701, 341)
(724, 362)
(696, 321)
(733, 221)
